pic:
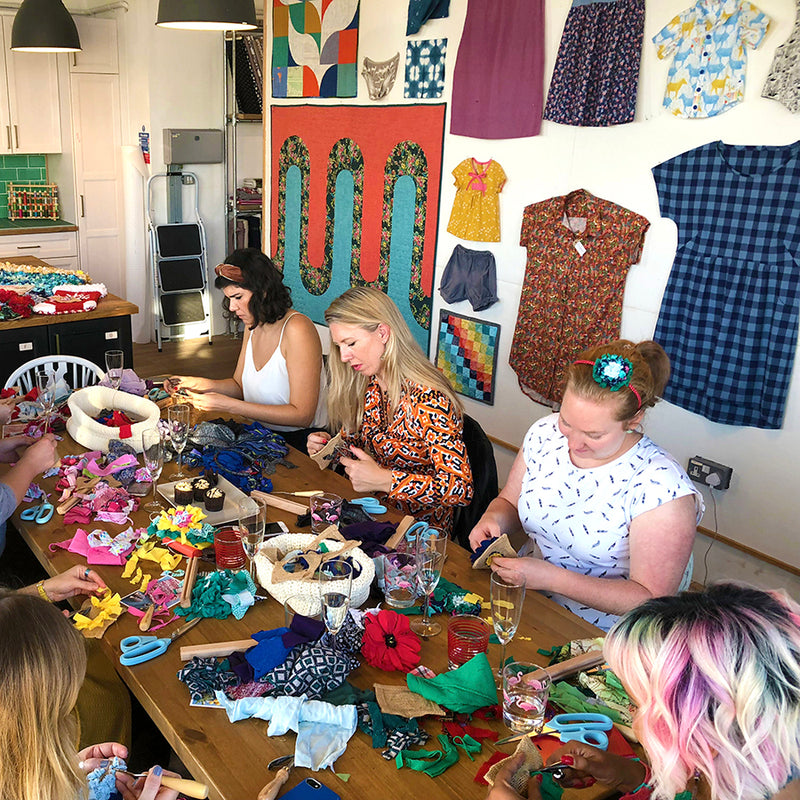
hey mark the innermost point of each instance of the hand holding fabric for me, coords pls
(365, 473)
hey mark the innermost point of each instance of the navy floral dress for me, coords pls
(597, 69)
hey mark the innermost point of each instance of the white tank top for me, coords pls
(270, 384)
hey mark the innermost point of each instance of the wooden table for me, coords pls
(232, 758)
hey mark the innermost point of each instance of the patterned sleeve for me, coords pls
(662, 480)
(753, 24)
(637, 227)
(443, 432)
(669, 37)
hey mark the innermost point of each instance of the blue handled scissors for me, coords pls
(370, 504)
(586, 728)
(40, 514)
(138, 649)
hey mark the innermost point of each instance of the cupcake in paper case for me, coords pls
(201, 486)
(184, 493)
(215, 499)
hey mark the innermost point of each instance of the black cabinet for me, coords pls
(18, 346)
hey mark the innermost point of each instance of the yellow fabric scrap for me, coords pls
(133, 562)
(137, 576)
(180, 520)
(103, 611)
(471, 597)
(145, 581)
(160, 555)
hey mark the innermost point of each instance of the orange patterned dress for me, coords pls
(423, 445)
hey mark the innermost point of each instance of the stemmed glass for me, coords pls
(429, 553)
(114, 363)
(335, 585)
(252, 522)
(46, 386)
(178, 417)
(153, 451)
(508, 596)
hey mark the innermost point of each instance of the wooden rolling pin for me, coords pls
(215, 649)
(182, 785)
(576, 664)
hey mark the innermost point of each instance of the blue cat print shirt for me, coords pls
(707, 43)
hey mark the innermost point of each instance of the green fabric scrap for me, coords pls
(549, 789)
(431, 762)
(462, 690)
(573, 701)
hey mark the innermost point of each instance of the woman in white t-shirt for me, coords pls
(279, 379)
(612, 514)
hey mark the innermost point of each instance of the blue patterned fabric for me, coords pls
(729, 316)
(425, 68)
(708, 43)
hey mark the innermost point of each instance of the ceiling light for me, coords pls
(44, 26)
(207, 15)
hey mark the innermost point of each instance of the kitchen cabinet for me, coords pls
(57, 249)
(30, 116)
(99, 42)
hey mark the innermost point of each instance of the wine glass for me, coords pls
(114, 363)
(508, 595)
(46, 386)
(252, 522)
(178, 417)
(429, 553)
(335, 585)
(153, 451)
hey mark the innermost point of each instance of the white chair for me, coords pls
(76, 371)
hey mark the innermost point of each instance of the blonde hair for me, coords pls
(649, 376)
(42, 666)
(403, 360)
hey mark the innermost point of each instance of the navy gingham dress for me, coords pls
(729, 316)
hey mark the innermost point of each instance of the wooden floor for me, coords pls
(188, 357)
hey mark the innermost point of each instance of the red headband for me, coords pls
(229, 272)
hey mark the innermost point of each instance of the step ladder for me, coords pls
(178, 267)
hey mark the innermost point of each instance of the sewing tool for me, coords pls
(279, 502)
(324, 457)
(216, 649)
(587, 728)
(370, 504)
(189, 581)
(284, 766)
(185, 786)
(40, 514)
(308, 493)
(147, 618)
(138, 649)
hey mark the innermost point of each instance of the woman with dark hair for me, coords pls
(612, 514)
(279, 379)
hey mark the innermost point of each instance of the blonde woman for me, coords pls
(42, 666)
(400, 417)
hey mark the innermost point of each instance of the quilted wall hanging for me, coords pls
(314, 48)
(467, 354)
(356, 191)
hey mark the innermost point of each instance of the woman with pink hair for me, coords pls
(715, 676)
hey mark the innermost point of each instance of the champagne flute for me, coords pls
(153, 451)
(178, 417)
(46, 386)
(508, 596)
(252, 522)
(429, 553)
(335, 585)
(114, 363)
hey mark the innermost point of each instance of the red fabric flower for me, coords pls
(389, 643)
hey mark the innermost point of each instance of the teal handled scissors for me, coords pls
(370, 504)
(40, 513)
(138, 649)
(586, 728)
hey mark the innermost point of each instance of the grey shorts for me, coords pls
(470, 275)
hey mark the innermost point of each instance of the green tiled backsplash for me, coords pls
(32, 169)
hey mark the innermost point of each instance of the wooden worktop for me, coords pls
(34, 226)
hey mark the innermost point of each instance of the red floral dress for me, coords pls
(423, 445)
(580, 248)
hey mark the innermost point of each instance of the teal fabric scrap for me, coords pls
(207, 595)
(462, 690)
(431, 762)
(573, 701)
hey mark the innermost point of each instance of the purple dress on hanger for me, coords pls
(498, 82)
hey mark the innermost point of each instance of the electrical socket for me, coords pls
(709, 473)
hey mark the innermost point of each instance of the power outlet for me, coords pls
(709, 473)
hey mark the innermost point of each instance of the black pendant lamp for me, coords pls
(207, 15)
(44, 26)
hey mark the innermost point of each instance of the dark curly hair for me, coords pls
(271, 299)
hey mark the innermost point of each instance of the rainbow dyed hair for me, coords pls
(716, 677)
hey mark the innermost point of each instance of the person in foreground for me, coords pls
(612, 514)
(42, 665)
(398, 413)
(716, 679)
(279, 379)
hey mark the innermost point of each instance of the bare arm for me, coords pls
(228, 387)
(660, 540)
(303, 353)
(501, 515)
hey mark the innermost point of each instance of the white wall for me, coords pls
(762, 505)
